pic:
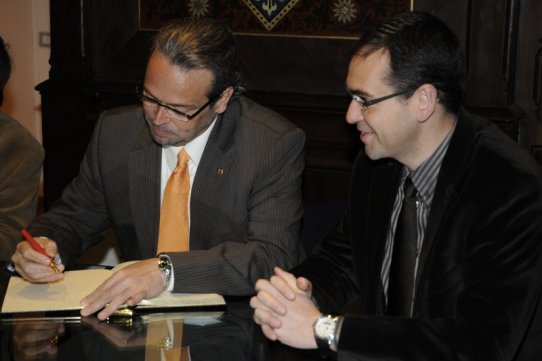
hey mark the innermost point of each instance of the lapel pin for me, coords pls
(220, 171)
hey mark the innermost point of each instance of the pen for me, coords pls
(35, 245)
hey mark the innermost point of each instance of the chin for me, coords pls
(374, 154)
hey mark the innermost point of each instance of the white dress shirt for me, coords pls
(169, 161)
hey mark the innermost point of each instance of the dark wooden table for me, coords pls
(208, 335)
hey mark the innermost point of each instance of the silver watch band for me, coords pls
(164, 265)
(335, 343)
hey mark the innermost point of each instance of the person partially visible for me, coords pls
(235, 165)
(441, 246)
(21, 158)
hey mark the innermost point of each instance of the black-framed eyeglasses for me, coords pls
(364, 103)
(153, 104)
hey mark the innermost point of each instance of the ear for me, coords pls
(222, 102)
(427, 100)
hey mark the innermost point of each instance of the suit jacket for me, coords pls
(245, 204)
(480, 272)
(21, 157)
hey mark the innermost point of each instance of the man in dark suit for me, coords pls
(473, 281)
(21, 157)
(245, 168)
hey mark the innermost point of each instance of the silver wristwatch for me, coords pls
(164, 265)
(325, 332)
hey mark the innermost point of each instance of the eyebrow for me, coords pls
(358, 92)
(168, 104)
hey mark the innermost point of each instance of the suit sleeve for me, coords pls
(21, 158)
(79, 218)
(331, 265)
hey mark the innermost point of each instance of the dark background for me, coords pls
(100, 48)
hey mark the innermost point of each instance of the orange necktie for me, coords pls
(173, 233)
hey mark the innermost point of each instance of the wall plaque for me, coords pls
(319, 18)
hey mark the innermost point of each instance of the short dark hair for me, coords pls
(5, 68)
(422, 49)
(202, 43)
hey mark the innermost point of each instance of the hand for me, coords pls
(34, 339)
(283, 307)
(120, 335)
(34, 266)
(282, 284)
(133, 283)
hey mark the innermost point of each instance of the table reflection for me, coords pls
(227, 335)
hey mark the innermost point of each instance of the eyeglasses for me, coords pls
(153, 104)
(364, 103)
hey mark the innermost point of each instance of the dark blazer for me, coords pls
(245, 204)
(480, 270)
(21, 157)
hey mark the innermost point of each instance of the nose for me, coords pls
(354, 114)
(160, 116)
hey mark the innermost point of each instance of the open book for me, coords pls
(65, 295)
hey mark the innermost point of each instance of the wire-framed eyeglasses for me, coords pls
(153, 105)
(364, 103)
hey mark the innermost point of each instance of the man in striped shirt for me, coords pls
(458, 280)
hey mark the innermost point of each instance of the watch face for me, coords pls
(324, 327)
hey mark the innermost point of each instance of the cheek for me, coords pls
(148, 115)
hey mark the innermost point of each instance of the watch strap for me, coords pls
(166, 268)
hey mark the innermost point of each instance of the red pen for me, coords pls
(36, 246)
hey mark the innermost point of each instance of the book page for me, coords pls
(24, 296)
(65, 295)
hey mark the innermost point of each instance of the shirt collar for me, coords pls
(425, 176)
(194, 148)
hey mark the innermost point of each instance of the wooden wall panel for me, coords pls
(99, 51)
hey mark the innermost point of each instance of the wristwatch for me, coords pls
(164, 265)
(325, 332)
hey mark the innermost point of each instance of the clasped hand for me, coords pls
(283, 307)
(128, 286)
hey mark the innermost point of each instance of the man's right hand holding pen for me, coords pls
(34, 263)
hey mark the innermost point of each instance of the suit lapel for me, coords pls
(144, 179)
(214, 168)
(454, 165)
(373, 193)
(384, 185)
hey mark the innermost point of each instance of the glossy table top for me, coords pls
(206, 334)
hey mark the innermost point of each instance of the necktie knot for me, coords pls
(409, 189)
(182, 160)
(180, 173)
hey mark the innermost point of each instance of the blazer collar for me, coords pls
(454, 165)
(222, 136)
(216, 164)
(216, 157)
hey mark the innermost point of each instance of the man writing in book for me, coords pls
(199, 175)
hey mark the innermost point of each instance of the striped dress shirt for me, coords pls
(424, 179)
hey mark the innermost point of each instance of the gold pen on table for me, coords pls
(36, 246)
